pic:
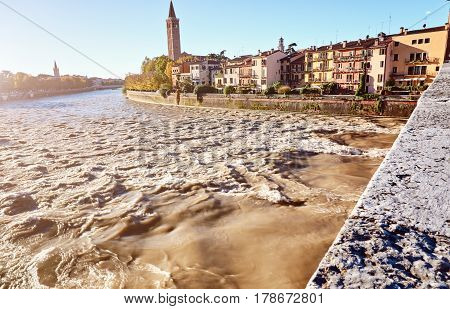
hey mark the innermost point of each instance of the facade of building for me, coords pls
(379, 65)
(201, 72)
(266, 69)
(245, 73)
(173, 34)
(418, 55)
(293, 70)
(319, 64)
(351, 63)
(181, 72)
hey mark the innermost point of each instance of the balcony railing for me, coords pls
(423, 61)
(350, 70)
(323, 69)
(349, 58)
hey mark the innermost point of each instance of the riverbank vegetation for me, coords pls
(156, 74)
(22, 82)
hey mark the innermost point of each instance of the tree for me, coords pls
(362, 86)
(204, 89)
(186, 86)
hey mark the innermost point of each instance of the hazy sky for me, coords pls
(119, 34)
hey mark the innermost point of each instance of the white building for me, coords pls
(266, 68)
(201, 72)
(231, 75)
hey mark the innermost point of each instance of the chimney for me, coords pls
(344, 44)
(359, 41)
(402, 30)
(406, 31)
(259, 52)
(376, 42)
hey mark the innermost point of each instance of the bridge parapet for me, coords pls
(398, 235)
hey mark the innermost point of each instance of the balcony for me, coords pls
(350, 58)
(323, 69)
(322, 59)
(350, 70)
(422, 61)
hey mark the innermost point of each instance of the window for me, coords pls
(264, 62)
(349, 78)
(381, 64)
(410, 70)
(231, 80)
(414, 42)
(421, 41)
(380, 78)
(394, 70)
(395, 57)
(396, 44)
(427, 40)
(437, 69)
(379, 88)
(383, 51)
(423, 70)
(254, 63)
(367, 78)
(418, 56)
(411, 57)
(224, 80)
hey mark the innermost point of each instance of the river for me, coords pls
(100, 192)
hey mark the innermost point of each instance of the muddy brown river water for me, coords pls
(100, 192)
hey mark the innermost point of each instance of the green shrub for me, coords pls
(229, 90)
(270, 91)
(390, 83)
(310, 91)
(330, 88)
(204, 89)
(284, 90)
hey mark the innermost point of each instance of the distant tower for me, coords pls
(173, 34)
(281, 45)
(56, 71)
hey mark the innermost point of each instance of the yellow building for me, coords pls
(319, 65)
(418, 55)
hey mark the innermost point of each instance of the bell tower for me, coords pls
(173, 34)
(55, 70)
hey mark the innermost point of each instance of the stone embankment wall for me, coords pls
(322, 105)
(398, 236)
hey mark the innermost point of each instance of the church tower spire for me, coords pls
(173, 34)
(56, 70)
